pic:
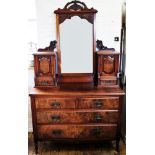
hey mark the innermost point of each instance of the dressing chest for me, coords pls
(79, 103)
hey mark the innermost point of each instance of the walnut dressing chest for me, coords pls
(77, 96)
(84, 115)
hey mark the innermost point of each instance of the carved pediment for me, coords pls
(88, 17)
(75, 8)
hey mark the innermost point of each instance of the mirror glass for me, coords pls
(76, 46)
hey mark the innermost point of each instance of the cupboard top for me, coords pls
(44, 53)
(107, 52)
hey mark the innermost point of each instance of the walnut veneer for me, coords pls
(76, 115)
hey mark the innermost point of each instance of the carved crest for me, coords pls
(75, 5)
(75, 8)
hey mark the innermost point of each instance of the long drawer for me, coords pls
(77, 116)
(77, 131)
(99, 103)
(55, 103)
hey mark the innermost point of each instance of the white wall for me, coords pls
(30, 85)
(108, 20)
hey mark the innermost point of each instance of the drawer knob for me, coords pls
(55, 104)
(96, 132)
(57, 132)
(98, 104)
(98, 117)
(55, 118)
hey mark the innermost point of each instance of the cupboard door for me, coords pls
(44, 65)
(108, 65)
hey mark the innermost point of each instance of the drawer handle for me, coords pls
(55, 118)
(57, 132)
(98, 104)
(55, 104)
(44, 83)
(98, 117)
(96, 132)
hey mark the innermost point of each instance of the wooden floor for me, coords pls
(49, 148)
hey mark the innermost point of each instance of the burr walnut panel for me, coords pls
(44, 64)
(99, 103)
(80, 115)
(55, 103)
(77, 116)
(108, 65)
(77, 131)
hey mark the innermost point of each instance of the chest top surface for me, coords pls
(72, 92)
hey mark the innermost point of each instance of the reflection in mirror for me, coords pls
(76, 46)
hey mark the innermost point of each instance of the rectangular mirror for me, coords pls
(76, 46)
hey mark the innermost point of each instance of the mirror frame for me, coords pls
(76, 8)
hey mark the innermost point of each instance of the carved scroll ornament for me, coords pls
(100, 46)
(51, 47)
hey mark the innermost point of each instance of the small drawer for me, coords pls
(44, 81)
(90, 132)
(74, 116)
(108, 82)
(99, 103)
(55, 103)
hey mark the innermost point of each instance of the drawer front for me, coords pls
(58, 117)
(77, 131)
(55, 103)
(44, 81)
(99, 103)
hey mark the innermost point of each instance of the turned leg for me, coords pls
(36, 146)
(118, 147)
